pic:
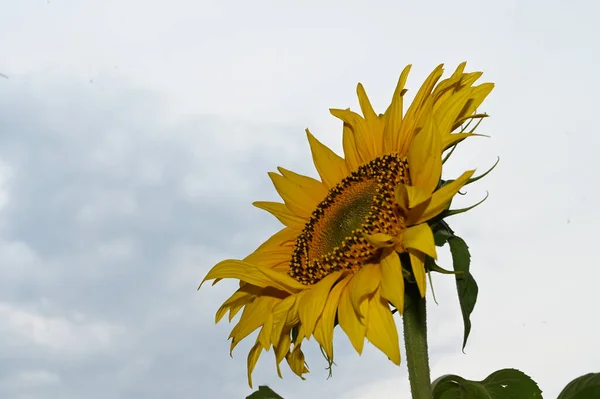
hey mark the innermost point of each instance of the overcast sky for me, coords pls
(134, 136)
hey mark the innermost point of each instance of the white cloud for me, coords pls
(22, 326)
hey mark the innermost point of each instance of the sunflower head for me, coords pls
(354, 238)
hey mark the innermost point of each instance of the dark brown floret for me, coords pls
(362, 203)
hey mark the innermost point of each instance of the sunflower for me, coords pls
(352, 238)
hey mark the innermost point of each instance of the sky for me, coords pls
(134, 136)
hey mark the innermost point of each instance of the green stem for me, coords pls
(415, 340)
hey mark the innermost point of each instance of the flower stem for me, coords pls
(415, 340)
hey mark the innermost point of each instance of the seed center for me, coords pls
(362, 203)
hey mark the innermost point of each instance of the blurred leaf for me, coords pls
(441, 233)
(502, 384)
(264, 392)
(585, 387)
(465, 283)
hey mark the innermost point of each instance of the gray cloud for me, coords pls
(116, 196)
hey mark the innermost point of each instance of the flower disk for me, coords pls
(337, 258)
(362, 203)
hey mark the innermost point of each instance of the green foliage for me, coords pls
(264, 392)
(584, 387)
(465, 283)
(502, 384)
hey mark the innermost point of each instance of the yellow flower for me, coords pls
(337, 258)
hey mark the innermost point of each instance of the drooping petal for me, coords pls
(392, 280)
(253, 356)
(439, 200)
(417, 261)
(364, 283)
(324, 329)
(280, 315)
(349, 321)
(331, 167)
(381, 328)
(296, 361)
(253, 316)
(312, 303)
(408, 197)
(264, 336)
(420, 237)
(281, 350)
(282, 213)
(242, 296)
(380, 240)
(252, 274)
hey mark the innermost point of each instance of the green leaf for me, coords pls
(585, 387)
(441, 233)
(264, 392)
(465, 283)
(502, 384)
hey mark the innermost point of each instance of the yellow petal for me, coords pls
(364, 283)
(296, 361)
(312, 303)
(362, 137)
(253, 356)
(417, 261)
(331, 167)
(285, 236)
(425, 158)
(281, 350)
(351, 154)
(242, 297)
(264, 336)
(252, 274)
(420, 237)
(408, 197)
(324, 328)
(439, 200)
(393, 115)
(280, 315)
(295, 197)
(253, 316)
(447, 114)
(282, 213)
(270, 257)
(349, 321)
(380, 240)
(392, 280)
(478, 94)
(374, 124)
(313, 188)
(413, 114)
(381, 330)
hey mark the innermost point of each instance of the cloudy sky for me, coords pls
(134, 136)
